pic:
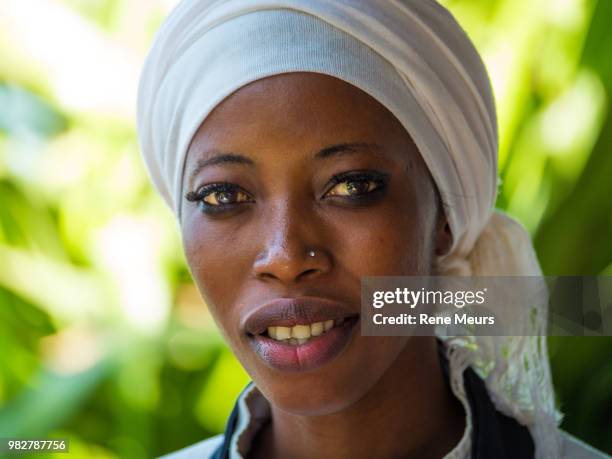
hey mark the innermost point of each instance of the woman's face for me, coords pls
(289, 165)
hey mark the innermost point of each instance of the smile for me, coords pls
(300, 334)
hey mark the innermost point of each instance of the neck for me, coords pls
(409, 413)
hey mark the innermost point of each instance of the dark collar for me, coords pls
(494, 435)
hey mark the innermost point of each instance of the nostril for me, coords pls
(266, 276)
(289, 264)
(307, 272)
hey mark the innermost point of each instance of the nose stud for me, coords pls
(311, 253)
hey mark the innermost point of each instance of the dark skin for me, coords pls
(276, 145)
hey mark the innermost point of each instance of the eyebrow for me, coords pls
(221, 158)
(238, 159)
(347, 148)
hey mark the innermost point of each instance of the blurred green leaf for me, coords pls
(52, 400)
(23, 114)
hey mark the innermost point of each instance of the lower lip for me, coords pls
(309, 356)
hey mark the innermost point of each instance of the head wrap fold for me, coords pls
(413, 57)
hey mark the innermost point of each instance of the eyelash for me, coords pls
(202, 193)
(379, 179)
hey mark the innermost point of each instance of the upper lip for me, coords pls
(288, 312)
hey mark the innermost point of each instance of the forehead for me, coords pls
(301, 106)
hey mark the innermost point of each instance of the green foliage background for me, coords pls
(103, 337)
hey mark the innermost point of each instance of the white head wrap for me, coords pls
(413, 57)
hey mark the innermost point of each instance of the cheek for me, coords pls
(217, 260)
(388, 241)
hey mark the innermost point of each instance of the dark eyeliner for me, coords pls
(381, 179)
(201, 193)
(374, 176)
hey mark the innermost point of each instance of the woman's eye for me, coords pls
(353, 188)
(357, 185)
(219, 197)
(225, 197)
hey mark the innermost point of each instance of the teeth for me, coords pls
(283, 333)
(299, 334)
(316, 329)
(300, 331)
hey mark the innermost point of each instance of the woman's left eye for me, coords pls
(353, 188)
(356, 185)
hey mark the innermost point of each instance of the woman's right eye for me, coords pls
(218, 197)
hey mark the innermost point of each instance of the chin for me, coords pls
(318, 399)
(336, 387)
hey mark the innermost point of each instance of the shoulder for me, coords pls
(576, 449)
(201, 450)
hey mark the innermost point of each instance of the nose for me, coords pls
(291, 248)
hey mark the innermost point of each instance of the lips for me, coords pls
(300, 334)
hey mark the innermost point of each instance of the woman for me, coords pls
(303, 145)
